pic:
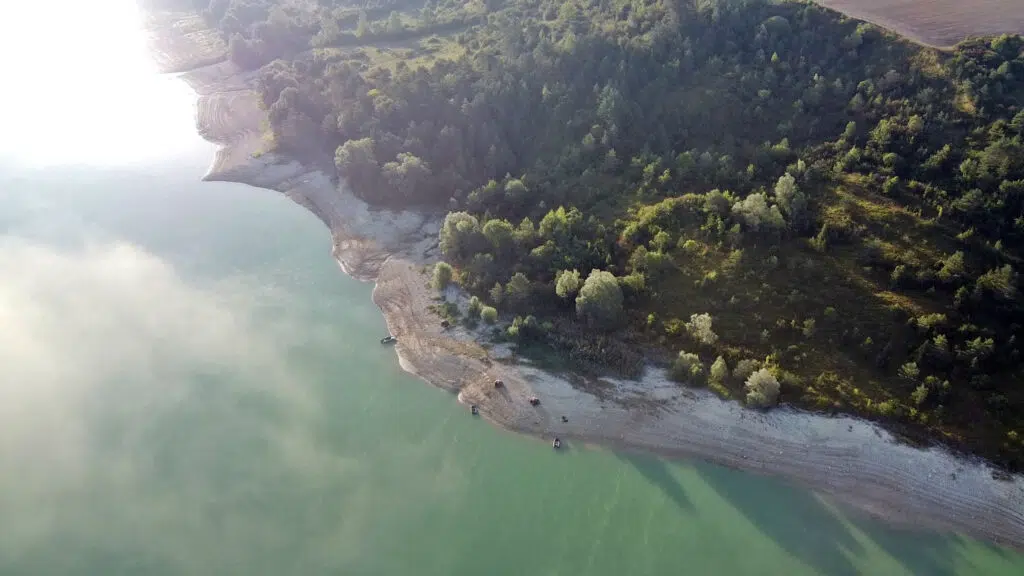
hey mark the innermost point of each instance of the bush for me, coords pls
(600, 299)
(910, 371)
(518, 289)
(699, 328)
(489, 314)
(688, 369)
(442, 275)
(567, 284)
(920, 394)
(525, 329)
(762, 389)
(744, 368)
(719, 371)
(473, 311)
(497, 293)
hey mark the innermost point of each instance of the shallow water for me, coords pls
(189, 385)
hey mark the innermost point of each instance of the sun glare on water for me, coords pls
(80, 87)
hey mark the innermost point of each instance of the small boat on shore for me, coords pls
(389, 339)
(556, 443)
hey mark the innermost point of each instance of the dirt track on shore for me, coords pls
(852, 461)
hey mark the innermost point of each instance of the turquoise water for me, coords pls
(193, 387)
(189, 385)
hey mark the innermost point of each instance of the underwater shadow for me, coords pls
(795, 519)
(919, 552)
(657, 471)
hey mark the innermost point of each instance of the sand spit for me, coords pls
(937, 23)
(849, 460)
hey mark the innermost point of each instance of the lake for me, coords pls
(190, 385)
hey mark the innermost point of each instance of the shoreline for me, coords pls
(850, 461)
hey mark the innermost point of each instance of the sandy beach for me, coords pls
(847, 460)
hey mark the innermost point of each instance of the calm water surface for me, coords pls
(189, 385)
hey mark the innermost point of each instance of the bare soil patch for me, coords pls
(939, 23)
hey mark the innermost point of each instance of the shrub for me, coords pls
(458, 235)
(489, 314)
(525, 328)
(927, 322)
(791, 200)
(762, 389)
(755, 212)
(888, 408)
(699, 328)
(497, 293)
(953, 267)
(634, 284)
(442, 275)
(689, 246)
(567, 283)
(900, 276)
(600, 299)
(999, 282)
(688, 369)
(473, 311)
(719, 371)
(808, 328)
(661, 242)
(891, 185)
(744, 368)
(518, 288)
(920, 394)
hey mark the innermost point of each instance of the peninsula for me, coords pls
(756, 233)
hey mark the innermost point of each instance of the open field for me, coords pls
(940, 23)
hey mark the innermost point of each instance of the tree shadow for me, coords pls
(795, 519)
(918, 552)
(657, 471)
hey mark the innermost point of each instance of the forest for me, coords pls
(770, 199)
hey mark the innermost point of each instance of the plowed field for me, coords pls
(940, 23)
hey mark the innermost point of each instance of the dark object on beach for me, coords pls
(474, 410)
(445, 324)
(565, 418)
(389, 339)
(534, 401)
(498, 384)
(557, 443)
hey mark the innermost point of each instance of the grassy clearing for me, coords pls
(414, 53)
(825, 318)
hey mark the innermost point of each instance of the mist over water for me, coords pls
(189, 385)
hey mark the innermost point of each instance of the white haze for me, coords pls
(80, 87)
(106, 355)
